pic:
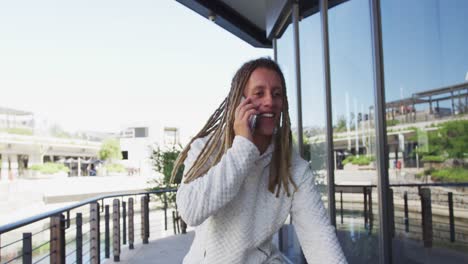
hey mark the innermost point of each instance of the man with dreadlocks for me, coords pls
(241, 183)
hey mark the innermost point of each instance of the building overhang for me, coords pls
(256, 22)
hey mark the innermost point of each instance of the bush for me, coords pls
(433, 158)
(163, 160)
(19, 131)
(50, 168)
(450, 175)
(360, 161)
(115, 167)
(392, 122)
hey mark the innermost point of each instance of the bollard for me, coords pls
(57, 239)
(79, 238)
(124, 223)
(341, 206)
(371, 215)
(391, 212)
(426, 215)
(131, 227)
(106, 232)
(144, 224)
(451, 217)
(94, 245)
(27, 248)
(364, 191)
(116, 229)
(165, 211)
(405, 199)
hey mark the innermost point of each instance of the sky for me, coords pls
(424, 48)
(104, 65)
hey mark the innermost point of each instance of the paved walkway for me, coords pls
(169, 250)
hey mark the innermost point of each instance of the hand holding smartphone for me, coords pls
(252, 120)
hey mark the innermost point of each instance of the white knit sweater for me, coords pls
(236, 216)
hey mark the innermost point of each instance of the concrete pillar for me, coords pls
(5, 167)
(79, 166)
(13, 166)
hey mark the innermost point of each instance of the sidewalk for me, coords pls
(165, 250)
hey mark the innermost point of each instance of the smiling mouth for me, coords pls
(269, 115)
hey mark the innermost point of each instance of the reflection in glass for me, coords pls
(285, 51)
(353, 131)
(425, 57)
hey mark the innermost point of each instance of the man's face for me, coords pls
(265, 89)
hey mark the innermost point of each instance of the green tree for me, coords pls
(110, 150)
(340, 125)
(449, 140)
(163, 162)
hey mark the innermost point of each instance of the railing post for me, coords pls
(371, 215)
(451, 217)
(147, 216)
(165, 211)
(79, 238)
(183, 225)
(144, 224)
(116, 229)
(174, 222)
(124, 222)
(426, 213)
(94, 245)
(27, 248)
(405, 198)
(131, 226)
(341, 206)
(106, 232)
(391, 213)
(57, 239)
(364, 191)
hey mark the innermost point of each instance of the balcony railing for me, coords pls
(82, 233)
(427, 212)
(86, 237)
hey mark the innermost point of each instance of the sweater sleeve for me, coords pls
(205, 195)
(316, 235)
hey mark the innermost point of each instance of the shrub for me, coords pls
(450, 175)
(392, 122)
(50, 168)
(360, 161)
(433, 158)
(18, 131)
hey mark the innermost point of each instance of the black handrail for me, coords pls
(30, 220)
(435, 184)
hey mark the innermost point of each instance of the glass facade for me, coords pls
(425, 82)
(353, 130)
(425, 62)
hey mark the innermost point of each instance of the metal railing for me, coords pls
(85, 238)
(427, 212)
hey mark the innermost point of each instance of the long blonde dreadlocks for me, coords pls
(221, 131)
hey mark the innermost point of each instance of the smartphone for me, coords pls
(252, 119)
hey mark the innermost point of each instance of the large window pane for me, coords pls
(313, 100)
(353, 131)
(285, 53)
(425, 56)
